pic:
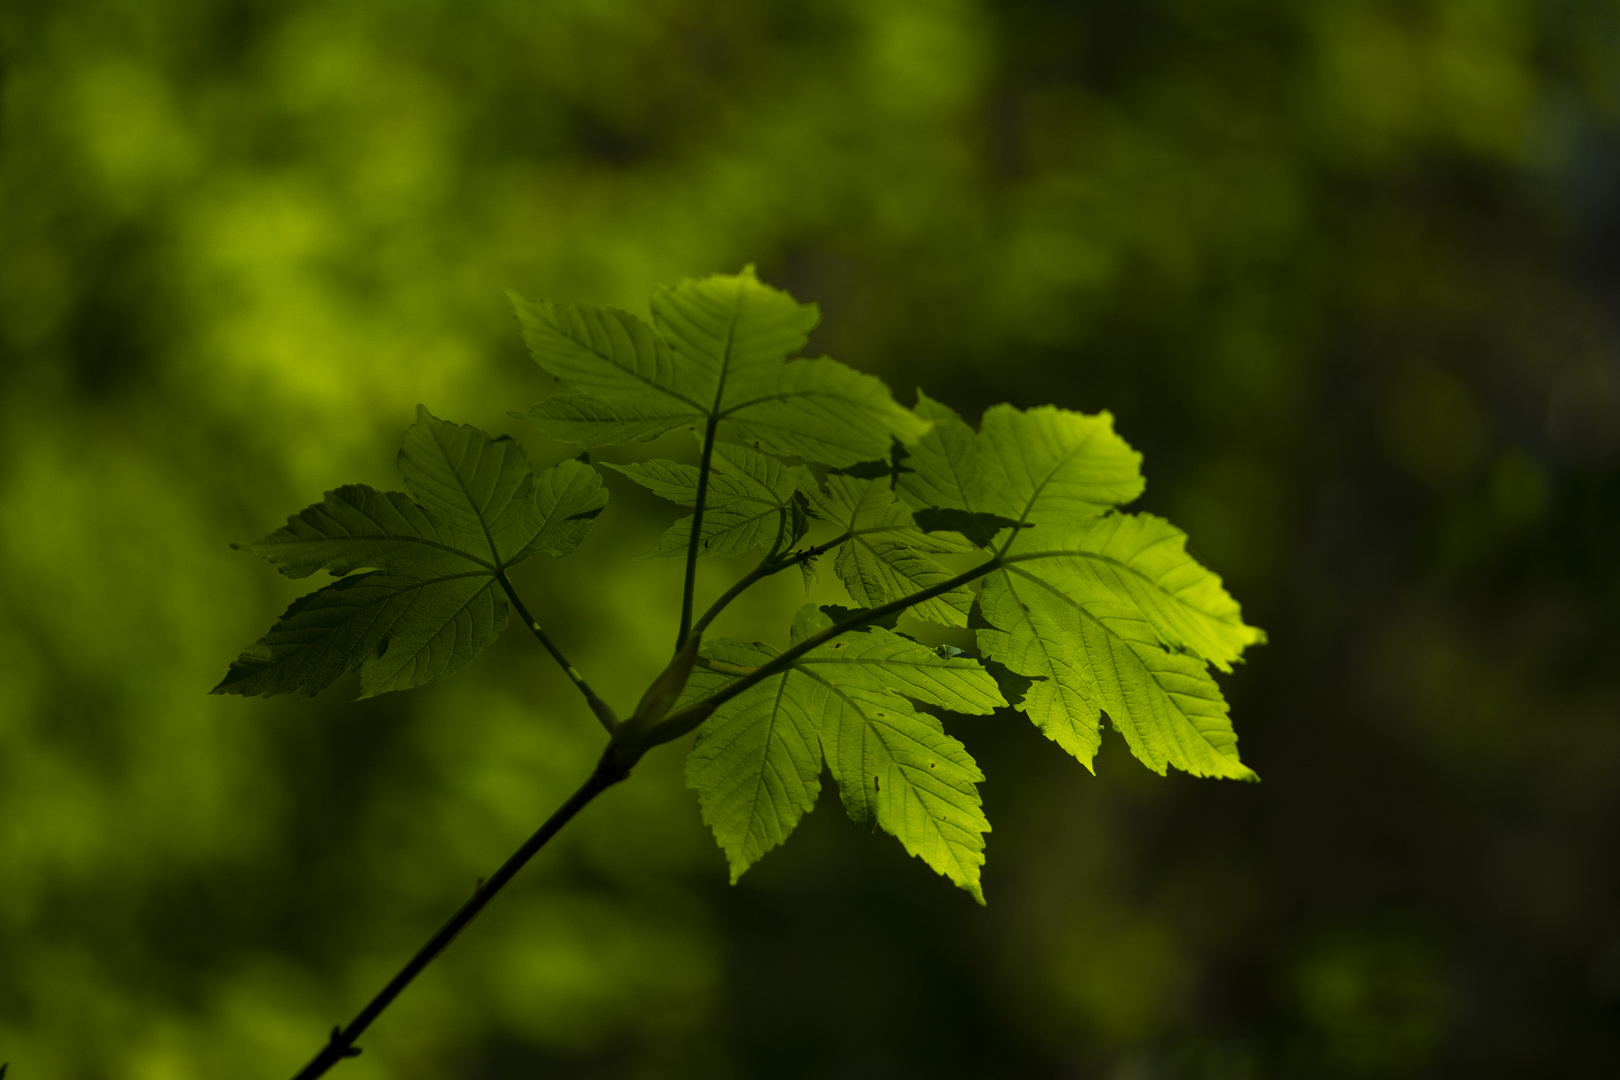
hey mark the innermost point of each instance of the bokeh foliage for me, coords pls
(1345, 271)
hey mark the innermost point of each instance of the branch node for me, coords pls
(342, 1049)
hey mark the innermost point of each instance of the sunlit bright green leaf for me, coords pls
(1140, 562)
(1105, 611)
(720, 352)
(886, 555)
(756, 763)
(1031, 466)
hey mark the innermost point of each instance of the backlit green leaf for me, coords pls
(1031, 466)
(1140, 563)
(1105, 611)
(756, 763)
(720, 352)
(886, 555)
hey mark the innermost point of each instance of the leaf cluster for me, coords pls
(1077, 608)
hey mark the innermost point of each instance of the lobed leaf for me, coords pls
(358, 526)
(400, 631)
(1140, 562)
(750, 499)
(1084, 609)
(1104, 611)
(433, 600)
(485, 486)
(886, 555)
(1032, 466)
(1088, 659)
(756, 764)
(719, 354)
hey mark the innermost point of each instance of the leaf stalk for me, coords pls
(767, 566)
(600, 708)
(705, 466)
(689, 718)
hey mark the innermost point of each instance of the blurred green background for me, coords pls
(1346, 271)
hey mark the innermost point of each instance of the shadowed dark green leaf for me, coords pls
(358, 526)
(888, 469)
(434, 600)
(484, 485)
(747, 497)
(838, 613)
(980, 529)
(400, 631)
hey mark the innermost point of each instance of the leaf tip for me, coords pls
(737, 863)
(1242, 772)
(229, 685)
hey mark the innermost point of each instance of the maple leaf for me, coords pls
(715, 358)
(433, 598)
(756, 764)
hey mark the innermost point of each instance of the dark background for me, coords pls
(1347, 272)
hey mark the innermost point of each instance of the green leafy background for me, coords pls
(1344, 272)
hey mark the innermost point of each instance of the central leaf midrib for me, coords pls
(1113, 657)
(919, 666)
(489, 537)
(796, 395)
(869, 724)
(392, 538)
(770, 731)
(725, 353)
(416, 585)
(1035, 495)
(649, 383)
(465, 605)
(1031, 556)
